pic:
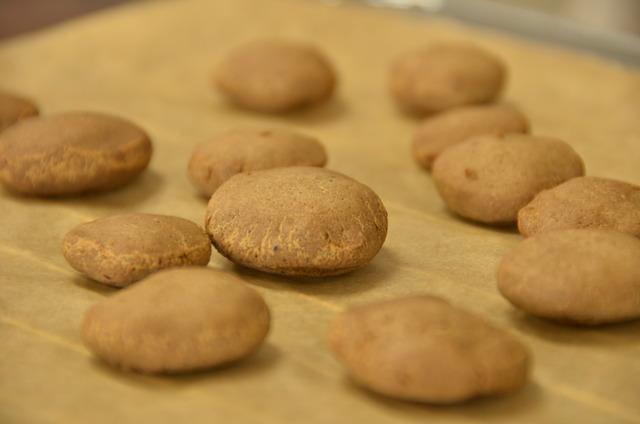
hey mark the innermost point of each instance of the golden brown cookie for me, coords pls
(584, 202)
(178, 320)
(72, 153)
(302, 221)
(420, 348)
(275, 76)
(243, 150)
(579, 276)
(445, 75)
(489, 178)
(122, 249)
(14, 108)
(446, 129)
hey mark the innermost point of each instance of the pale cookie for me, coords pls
(446, 129)
(489, 178)
(122, 249)
(178, 320)
(579, 276)
(420, 348)
(584, 202)
(14, 108)
(71, 153)
(301, 221)
(441, 76)
(275, 76)
(243, 150)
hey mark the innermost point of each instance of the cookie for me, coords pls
(420, 348)
(275, 76)
(122, 249)
(14, 108)
(72, 153)
(579, 276)
(584, 202)
(178, 320)
(445, 75)
(300, 221)
(448, 128)
(489, 178)
(243, 150)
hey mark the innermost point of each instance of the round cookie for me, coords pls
(301, 221)
(243, 150)
(420, 348)
(178, 320)
(275, 76)
(71, 153)
(489, 178)
(121, 249)
(14, 108)
(580, 276)
(583, 202)
(445, 75)
(451, 127)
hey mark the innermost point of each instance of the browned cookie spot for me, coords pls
(470, 174)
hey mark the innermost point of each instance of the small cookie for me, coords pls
(178, 320)
(72, 153)
(14, 108)
(577, 276)
(445, 75)
(243, 150)
(275, 76)
(122, 249)
(584, 202)
(300, 221)
(489, 178)
(446, 129)
(420, 348)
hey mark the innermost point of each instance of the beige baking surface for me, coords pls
(151, 62)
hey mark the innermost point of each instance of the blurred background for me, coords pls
(622, 16)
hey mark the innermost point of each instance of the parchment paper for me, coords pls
(151, 62)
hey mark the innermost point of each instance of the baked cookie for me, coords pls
(420, 348)
(178, 320)
(445, 75)
(243, 150)
(275, 75)
(71, 153)
(14, 108)
(301, 221)
(578, 276)
(489, 178)
(122, 249)
(451, 127)
(583, 202)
